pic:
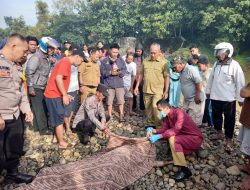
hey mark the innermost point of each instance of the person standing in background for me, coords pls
(174, 87)
(203, 64)
(57, 97)
(37, 73)
(138, 59)
(128, 81)
(73, 92)
(89, 75)
(113, 69)
(154, 71)
(223, 88)
(191, 87)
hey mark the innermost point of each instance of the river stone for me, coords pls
(203, 153)
(66, 153)
(158, 172)
(171, 182)
(220, 186)
(211, 163)
(233, 170)
(220, 172)
(181, 185)
(214, 179)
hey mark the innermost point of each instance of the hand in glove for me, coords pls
(154, 138)
(149, 131)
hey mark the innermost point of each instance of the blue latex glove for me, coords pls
(149, 129)
(154, 138)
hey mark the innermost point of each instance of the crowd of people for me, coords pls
(49, 85)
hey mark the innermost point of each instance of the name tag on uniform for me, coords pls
(4, 71)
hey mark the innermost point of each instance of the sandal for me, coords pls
(65, 147)
(216, 136)
(229, 146)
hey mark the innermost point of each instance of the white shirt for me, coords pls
(131, 71)
(73, 85)
(86, 53)
(226, 81)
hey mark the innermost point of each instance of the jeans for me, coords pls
(207, 117)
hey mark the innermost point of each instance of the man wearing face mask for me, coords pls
(182, 133)
(224, 85)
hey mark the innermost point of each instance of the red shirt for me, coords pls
(63, 67)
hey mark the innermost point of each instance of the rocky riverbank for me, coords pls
(212, 167)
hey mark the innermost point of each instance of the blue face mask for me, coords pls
(162, 114)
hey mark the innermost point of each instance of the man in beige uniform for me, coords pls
(89, 75)
(12, 101)
(91, 114)
(156, 83)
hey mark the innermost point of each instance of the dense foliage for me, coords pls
(87, 21)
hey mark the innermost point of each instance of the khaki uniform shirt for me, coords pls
(12, 97)
(90, 73)
(154, 74)
(93, 109)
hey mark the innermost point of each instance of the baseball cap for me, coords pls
(203, 59)
(103, 89)
(78, 52)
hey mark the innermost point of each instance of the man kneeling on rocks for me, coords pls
(91, 114)
(182, 133)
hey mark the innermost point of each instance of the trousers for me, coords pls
(39, 109)
(11, 144)
(228, 109)
(153, 115)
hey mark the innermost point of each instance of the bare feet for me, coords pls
(244, 168)
(64, 145)
(245, 184)
(69, 133)
(54, 140)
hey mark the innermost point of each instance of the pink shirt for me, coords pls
(178, 122)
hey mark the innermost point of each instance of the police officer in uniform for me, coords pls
(13, 100)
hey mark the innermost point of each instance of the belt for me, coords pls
(89, 86)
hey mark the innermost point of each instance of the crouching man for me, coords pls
(182, 133)
(91, 114)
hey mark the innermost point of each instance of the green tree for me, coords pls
(15, 25)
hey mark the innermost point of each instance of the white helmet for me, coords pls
(224, 47)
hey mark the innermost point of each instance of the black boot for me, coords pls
(85, 139)
(15, 176)
(182, 174)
